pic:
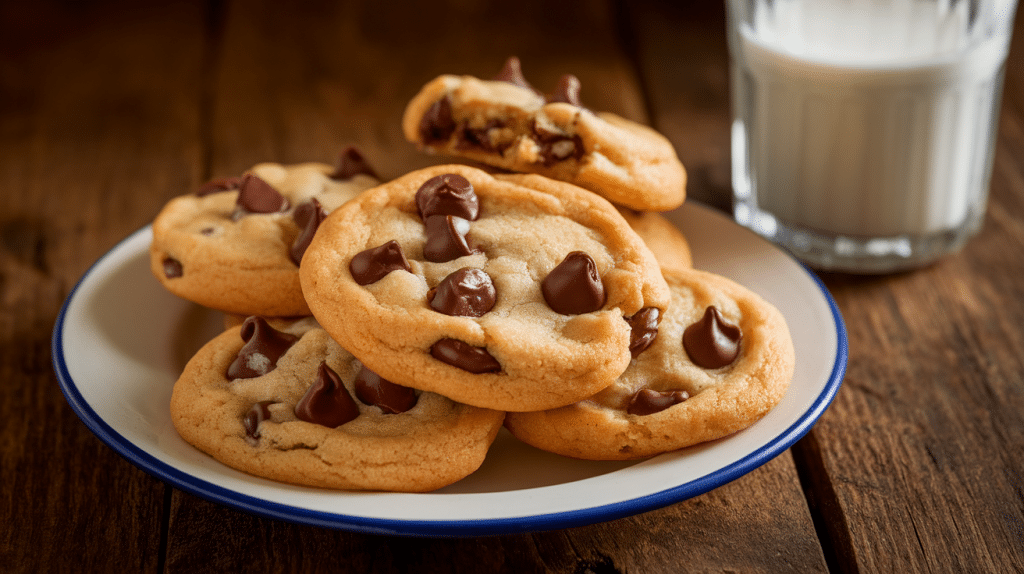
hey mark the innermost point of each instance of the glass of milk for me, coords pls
(863, 130)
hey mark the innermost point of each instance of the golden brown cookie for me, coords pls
(722, 358)
(234, 245)
(509, 292)
(666, 241)
(283, 401)
(507, 123)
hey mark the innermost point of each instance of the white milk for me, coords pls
(879, 136)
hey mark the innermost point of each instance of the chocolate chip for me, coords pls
(373, 264)
(643, 327)
(327, 401)
(512, 72)
(264, 345)
(446, 238)
(371, 389)
(172, 268)
(574, 285)
(350, 164)
(308, 216)
(258, 413)
(448, 194)
(218, 185)
(555, 146)
(464, 293)
(567, 91)
(649, 401)
(712, 342)
(479, 138)
(464, 356)
(437, 124)
(257, 196)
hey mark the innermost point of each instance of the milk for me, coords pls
(856, 123)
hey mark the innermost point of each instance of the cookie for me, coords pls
(722, 358)
(665, 240)
(510, 292)
(281, 400)
(507, 123)
(234, 244)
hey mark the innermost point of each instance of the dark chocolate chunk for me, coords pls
(643, 329)
(373, 264)
(465, 293)
(574, 285)
(567, 91)
(437, 124)
(308, 216)
(371, 389)
(172, 268)
(464, 356)
(512, 72)
(446, 238)
(448, 194)
(258, 413)
(350, 164)
(218, 185)
(479, 138)
(649, 401)
(712, 342)
(264, 345)
(327, 401)
(258, 196)
(555, 146)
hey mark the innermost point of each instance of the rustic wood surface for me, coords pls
(109, 109)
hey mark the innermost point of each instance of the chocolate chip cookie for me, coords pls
(721, 359)
(281, 400)
(235, 244)
(507, 123)
(512, 292)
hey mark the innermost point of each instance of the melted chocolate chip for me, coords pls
(574, 285)
(327, 401)
(218, 185)
(479, 138)
(446, 238)
(264, 345)
(258, 413)
(712, 342)
(465, 293)
(567, 91)
(643, 327)
(371, 389)
(437, 124)
(258, 196)
(649, 401)
(308, 216)
(350, 164)
(373, 264)
(448, 194)
(172, 268)
(464, 356)
(512, 72)
(555, 146)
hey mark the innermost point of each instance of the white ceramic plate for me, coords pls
(121, 341)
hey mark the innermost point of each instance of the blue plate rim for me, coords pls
(444, 528)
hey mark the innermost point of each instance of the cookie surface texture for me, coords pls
(466, 306)
(665, 400)
(514, 127)
(665, 240)
(254, 423)
(231, 246)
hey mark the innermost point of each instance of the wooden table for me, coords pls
(110, 109)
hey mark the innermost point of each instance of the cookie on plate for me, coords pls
(234, 245)
(281, 400)
(505, 122)
(722, 359)
(511, 292)
(666, 241)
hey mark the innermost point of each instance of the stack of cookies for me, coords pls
(383, 332)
